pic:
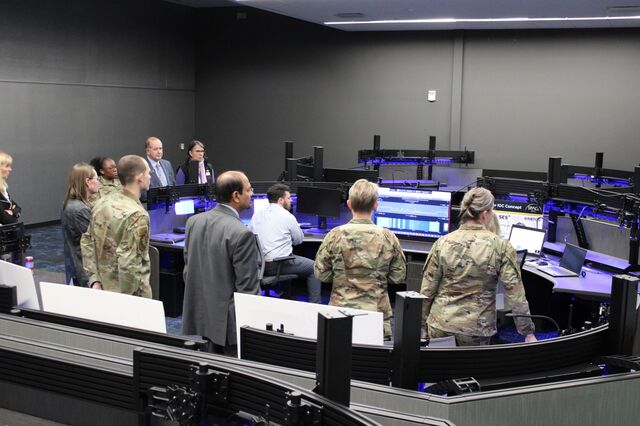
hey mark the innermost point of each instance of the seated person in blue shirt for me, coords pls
(278, 231)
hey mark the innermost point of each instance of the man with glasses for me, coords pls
(220, 258)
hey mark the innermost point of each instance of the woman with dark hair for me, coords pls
(10, 210)
(76, 215)
(203, 173)
(107, 172)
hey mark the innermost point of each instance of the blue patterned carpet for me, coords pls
(48, 254)
(46, 248)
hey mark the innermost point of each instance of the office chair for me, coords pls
(272, 282)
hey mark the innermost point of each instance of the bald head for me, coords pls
(153, 148)
(229, 182)
(234, 188)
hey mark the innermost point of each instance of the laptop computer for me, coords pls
(529, 239)
(570, 263)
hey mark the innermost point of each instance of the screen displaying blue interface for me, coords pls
(413, 213)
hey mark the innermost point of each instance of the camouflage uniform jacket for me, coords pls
(461, 276)
(106, 187)
(115, 248)
(360, 258)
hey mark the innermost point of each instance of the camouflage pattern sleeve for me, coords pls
(133, 271)
(323, 265)
(87, 248)
(431, 275)
(514, 290)
(398, 265)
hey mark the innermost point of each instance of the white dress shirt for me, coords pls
(277, 229)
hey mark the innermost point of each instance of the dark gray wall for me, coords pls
(516, 98)
(82, 78)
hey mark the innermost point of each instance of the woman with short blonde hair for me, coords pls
(10, 212)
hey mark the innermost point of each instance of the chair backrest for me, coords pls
(154, 279)
(261, 262)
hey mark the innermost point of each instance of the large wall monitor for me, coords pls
(414, 214)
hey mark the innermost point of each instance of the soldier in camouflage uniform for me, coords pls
(108, 176)
(360, 258)
(115, 248)
(460, 278)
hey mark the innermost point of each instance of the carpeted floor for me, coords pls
(48, 254)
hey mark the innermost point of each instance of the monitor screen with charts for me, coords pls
(529, 239)
(416, 214)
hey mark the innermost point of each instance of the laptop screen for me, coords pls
(573, 258)
(525, 238)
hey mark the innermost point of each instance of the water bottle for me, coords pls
(29, 262)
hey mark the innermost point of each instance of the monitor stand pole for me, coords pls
(322, 222)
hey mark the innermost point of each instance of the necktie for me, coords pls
(161, 176)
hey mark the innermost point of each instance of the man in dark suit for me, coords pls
(220, 257)
(161, 170)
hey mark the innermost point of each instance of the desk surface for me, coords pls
(408, 246)
(594, 283)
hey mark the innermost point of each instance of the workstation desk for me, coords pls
(172, 263)
(595, 280)
(594, 285)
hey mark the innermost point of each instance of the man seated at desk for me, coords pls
(278, 231)
(361, 258)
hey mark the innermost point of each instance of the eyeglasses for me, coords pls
(199, 150)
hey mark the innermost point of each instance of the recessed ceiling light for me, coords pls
(350, 15)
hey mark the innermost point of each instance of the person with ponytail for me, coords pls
(460, 277)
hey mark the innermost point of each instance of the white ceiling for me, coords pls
(539, 13)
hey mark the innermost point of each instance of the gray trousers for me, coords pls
(302, 267)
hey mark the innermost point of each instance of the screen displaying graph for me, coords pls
(411, 213)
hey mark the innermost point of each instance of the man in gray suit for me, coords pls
(161, 170)
(220, 258)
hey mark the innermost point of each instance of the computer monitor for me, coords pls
(512, 213)
(414, 214)
(183, 207)
(350, 175)
(194, 171)
(525, 238)
(260, 204)
(322, 202)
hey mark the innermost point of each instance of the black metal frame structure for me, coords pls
(231, 391)
(116, 330)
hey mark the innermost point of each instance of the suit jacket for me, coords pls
(7, 204)
(220, 257)
(167, 168)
